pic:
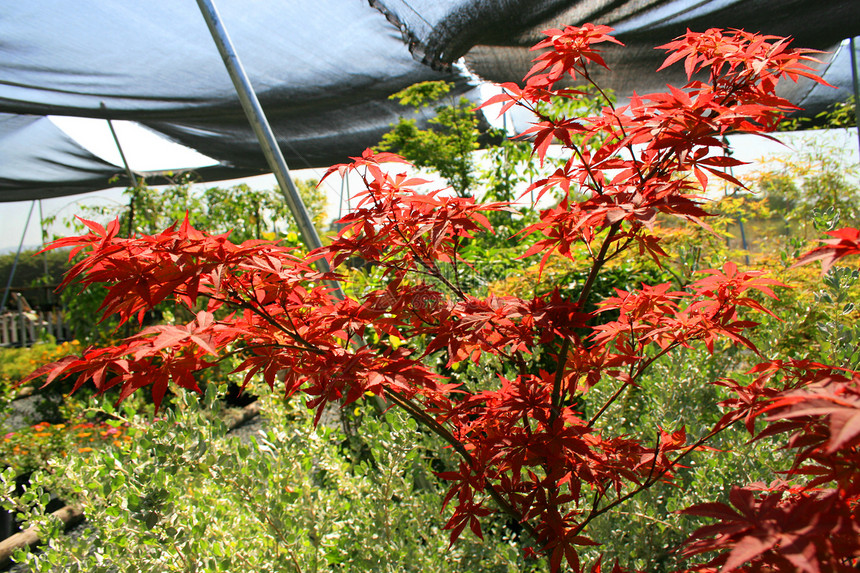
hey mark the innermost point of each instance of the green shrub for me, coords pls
(184, 495)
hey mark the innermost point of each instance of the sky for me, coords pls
(146, 151)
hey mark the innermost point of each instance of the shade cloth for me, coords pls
(323, 70)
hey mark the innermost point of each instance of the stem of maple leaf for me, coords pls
(557, 394)
(611, 106)
(437, 274)
(608, 403)
(261, 312)
(430, 267)
(237, 301)
(556, 398)
(620, 249)
(454, 263)
(626, 384)
(254, 347)
(416, 412)
(650, 481)
(597, 185)
(654, 459)
(598, 264)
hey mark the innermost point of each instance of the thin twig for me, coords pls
(648, 517)
(650, 482)
(557, 393)
(556, 398)
(416, 412)
(626, 384)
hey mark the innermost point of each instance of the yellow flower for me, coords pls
(84, 450)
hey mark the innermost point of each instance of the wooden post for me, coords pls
(22, 327)
(45, 318)
(69, 515)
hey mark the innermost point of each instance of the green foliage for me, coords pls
(185, 496)
(447, 146)
(793, 198)
(839, 331)
(31, 267)
(80, 308)
(16, 364)
(840, 114)
(815, 180)
(423, 94)
(244, 212)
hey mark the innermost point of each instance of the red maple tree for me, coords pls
(525, 449)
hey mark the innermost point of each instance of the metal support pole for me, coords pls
(856, 82)
(17, 256)
(340, 201)
(128, 170)
(131, 177)
(48, 294)
(260, 125)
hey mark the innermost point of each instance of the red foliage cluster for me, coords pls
(811, 523)
(525, 448)
(844, 242)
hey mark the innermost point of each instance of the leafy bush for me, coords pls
(15, 366)
(183, 496)
(17, 363)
